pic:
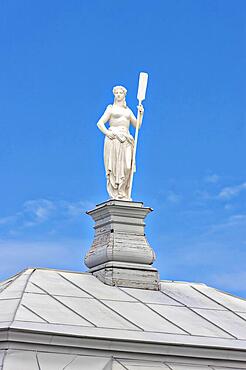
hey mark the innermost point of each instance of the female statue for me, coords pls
(119, 144)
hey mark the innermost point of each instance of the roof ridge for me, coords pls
(230, 294)
(13, 277)
(22, 294)
(56, 269)
(12, 280)
(183, 282)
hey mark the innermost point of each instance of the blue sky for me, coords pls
(59, 62)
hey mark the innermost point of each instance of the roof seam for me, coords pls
(70, 362)
(176, 300)
(211, 322)
(150, 308)
(39, 367)
(227, 308)
(22, 295)
(33, 312)
(169, 367)
(63, 304)
(4, 357)
(102, 302)
(55, 295)
(15, 277)
(192, 307)
(55, 270)
(8, 299)
(192, 310)
(116, 360)
(109, 362)
(5, 285)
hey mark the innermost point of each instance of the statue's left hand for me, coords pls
(140, 109)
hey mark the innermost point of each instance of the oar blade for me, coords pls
(142, 85)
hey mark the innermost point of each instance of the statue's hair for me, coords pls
(121, 88)
(124, 91)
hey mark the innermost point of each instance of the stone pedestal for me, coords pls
(120, 254)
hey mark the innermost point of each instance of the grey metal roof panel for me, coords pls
(55, 284)
(15, 287)
(188, 367)
(30, 360)
(97, 313)
(8, 308)
(35, 360)
(146, 367)
(87, 362)
(242, 314)
(144, 318)
(52, 310)
(78, 304)
(54, 361)
(75, 331)
(4, 284)
(9, 280)
(227, 321)
(117, 366)
(91, 285)
(226, 368)
(143, 365)
(224, 299)
(1, 358)
(26, 314)
(186, 294)
(33, 288)
(189, 321)
(151, 296)
(71, 362)
(21, 360)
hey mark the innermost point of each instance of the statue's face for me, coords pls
(119, 95)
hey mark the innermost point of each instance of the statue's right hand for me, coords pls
(110, 135)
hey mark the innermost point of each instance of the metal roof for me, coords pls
(72, 303)
(30, 360)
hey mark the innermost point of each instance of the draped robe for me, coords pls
(118, 154)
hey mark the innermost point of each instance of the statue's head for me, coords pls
(120, 94)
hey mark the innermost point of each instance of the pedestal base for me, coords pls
(128, 275)
(120, 253)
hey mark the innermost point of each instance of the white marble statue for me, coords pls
(119, 144)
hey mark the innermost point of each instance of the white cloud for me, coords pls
(173, 197)
(74, 209)
(37, 212)
(203, 195)
(229, 207)
(232, 221)
(231, 191)
(7, 220)
(238, 218)
(226, 194)
(33, 212)
(213, 179)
